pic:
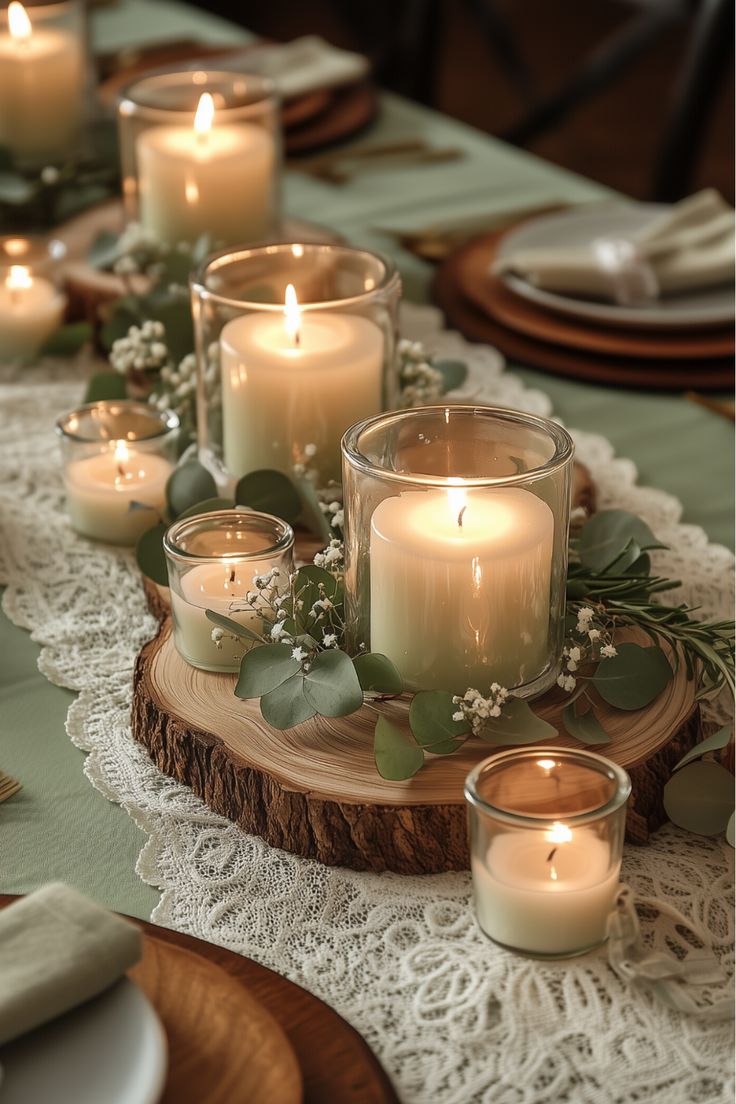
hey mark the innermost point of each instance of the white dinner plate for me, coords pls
(708, 307)
(111, 1050)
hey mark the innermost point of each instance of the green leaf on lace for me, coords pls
(607, 534)
(453, 372)
(700, 798)
(714, 742)
(397, 756)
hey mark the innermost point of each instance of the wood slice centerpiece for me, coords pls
(314, 790)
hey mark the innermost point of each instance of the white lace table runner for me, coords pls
(453, 1018)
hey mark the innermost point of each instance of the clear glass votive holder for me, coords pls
(456, 530)
(282, 373)
(117, 456)
(43, 78)
(201, 155)
(213, 560)
(546, 836)
(32, 303)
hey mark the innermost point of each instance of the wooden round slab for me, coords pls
(709, 374)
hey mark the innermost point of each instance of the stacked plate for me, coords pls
(679, 342)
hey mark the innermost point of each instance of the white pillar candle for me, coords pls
(41, 88)
(460, 586)
(546, 892)
(105, 493)
(222, 587)
(206, 178)
(31, 309)
(288, 382)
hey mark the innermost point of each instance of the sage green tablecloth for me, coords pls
(58, 826)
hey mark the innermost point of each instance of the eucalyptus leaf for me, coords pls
(309, 580)
(445, 747)
(15, 189)
(263, 669)
(377, 672)
(106, 385)
(430, 717)
(104, 250)
(149, 555)
(271, 492)
(230, 625)
(634, 677)
(187, 486)
(397, 756)
(206, 506)
(700, 798)
(453, 372)
(518, 724)
(731, 830)
(714, 742)
(124, 313)
(68, 340)
(312, 515)
(606, 534)
(287, 706)
(584, 726)
(331, 685)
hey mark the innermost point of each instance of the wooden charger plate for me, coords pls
(708, 374)
(238, 1033)
(490, 294)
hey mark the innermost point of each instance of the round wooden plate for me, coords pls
(622, 371)
(486, 291)
(321, 1057)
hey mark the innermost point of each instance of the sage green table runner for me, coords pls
(58, 826)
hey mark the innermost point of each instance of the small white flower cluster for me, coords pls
(421, 384)
(179, 385)
(139, 251)
(143, 349)
(334, 513)
(596, 644)
(477, 710)
(302, 466)
(332, 557)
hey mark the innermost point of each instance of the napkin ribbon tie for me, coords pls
(633, 281)
(672, 981)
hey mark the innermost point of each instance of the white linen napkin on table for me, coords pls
(688, 247)
(57, 950)
(305, 65)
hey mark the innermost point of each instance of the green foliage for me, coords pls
(232, 626)
(518, 724)
(287, 705)
(331, 685)
(187, 486)
(207, 506)
(584, 726)
(377, 673)
(717, 740)
(105, 385)
(271, 492)
(263, 669)
(634, 677)
(397, 756)
(611, 536)
(453, 372)
(700, 798)
(149, 554)
(68, 340)
(430, 719)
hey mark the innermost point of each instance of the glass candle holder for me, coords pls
(42, 80)
(213, 560)
(456, 527)
(294, 343)
(31, 303)
(117, 457)
(201, 155)
(546, 836)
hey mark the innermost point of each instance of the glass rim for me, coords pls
(283, 542)
(563, 442)
(265, 87)
(598, 762)
(232, 254)
(167, 421)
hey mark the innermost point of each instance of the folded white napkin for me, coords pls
(305, 64)
(57, 950)
(690, 246)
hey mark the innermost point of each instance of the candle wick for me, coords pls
(297, 338)
(552, 854)
(121, 471)
(460, 517)
(232, 575)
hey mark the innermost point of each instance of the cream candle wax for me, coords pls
(206, 177)
(41, 87)
(293, 380)
(31, 309)
(460, 586)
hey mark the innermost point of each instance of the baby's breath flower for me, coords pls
(217, 635)
(608, 651)
(329, 640)
(299, 654)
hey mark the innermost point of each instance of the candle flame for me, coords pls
(292, 313)
(457, 500)
(18, 22)
(204, 115)
(20, 277)
(16, 247)
(191, 192)
(121, 452)
(546, 764)
(559, 833)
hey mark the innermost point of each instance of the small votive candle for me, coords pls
(118, 456)
(546, 837)
(213, 561)
(31, 306)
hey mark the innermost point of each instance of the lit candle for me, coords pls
(289, 381)
(115, 495)
(546, 892)
(30, 310)
(41, 88)
(222, 587)
(206, 178)
(460, 586)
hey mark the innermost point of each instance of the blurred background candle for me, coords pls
(31, 309)
(460, 586)
(42, 78)
(296, 379)
(206, 177)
